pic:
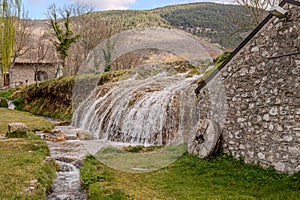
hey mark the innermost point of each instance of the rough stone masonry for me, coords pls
(260, 117)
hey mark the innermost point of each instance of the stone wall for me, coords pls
(256, 97)
(22, 72)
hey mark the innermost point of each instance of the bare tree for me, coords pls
(257, 9)
(92, 30)
(39, 56)
(23, 37)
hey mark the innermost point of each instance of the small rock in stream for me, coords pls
(84, 135)
(55, 135)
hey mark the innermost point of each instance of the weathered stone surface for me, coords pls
(280, 167)
(55, 135)
(83, 135)
(206, 138)
(262, 95)
(17, 127)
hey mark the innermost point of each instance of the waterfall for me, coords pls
(10, 104)
(153, 110)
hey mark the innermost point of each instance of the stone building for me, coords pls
(34, 60)
(24, 71)
(254, 95)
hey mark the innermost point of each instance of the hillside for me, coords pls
(216, 22)
(213, 23)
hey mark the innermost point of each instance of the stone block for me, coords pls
(273, 111)
(255, 49)
(17, 127)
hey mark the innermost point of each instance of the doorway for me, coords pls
(6, 79)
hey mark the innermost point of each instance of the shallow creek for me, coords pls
(69, 155)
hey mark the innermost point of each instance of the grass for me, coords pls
(190, 177)
(140, 159)
(6, 94)
(22, 159)
(33, 123)
(21, 163)
(53, 98)
(141, 149)
(218, 62)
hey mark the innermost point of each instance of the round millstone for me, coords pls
(206, 138)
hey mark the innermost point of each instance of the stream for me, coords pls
(156, 109)
(69, 154)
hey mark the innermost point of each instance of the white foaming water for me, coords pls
(10, 104)
(157, 110)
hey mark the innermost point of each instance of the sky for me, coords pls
(37, 8)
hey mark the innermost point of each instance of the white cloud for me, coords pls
(110, 4)
(36, 1)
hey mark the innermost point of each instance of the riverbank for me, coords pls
(26, 173)
(190, 177)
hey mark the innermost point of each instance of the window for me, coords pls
(42, 75)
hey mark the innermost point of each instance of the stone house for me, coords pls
(23, 72)
(32, 60)
(254, 96)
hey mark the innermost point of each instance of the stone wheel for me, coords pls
(206, 138)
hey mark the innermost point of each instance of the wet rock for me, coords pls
(55, 135)
(206, 139)
(84, 135)
(17, 127)
(65, 168)
(61, 123)
(67, 159)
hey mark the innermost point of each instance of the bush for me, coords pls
(6, 94)
(3, 103)
(222, 58)
(19, 103)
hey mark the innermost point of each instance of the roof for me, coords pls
(29, 61)
(249, 37)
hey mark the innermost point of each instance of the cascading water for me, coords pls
(155, 110)
(10, 104)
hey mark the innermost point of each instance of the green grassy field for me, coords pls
(22, 159)
(33, 123)
(190, 177)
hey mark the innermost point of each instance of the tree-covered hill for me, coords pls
(221, 23)
(218, 22)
